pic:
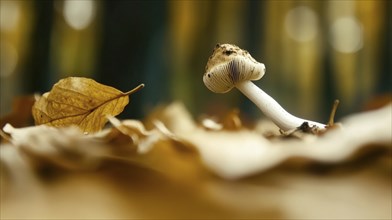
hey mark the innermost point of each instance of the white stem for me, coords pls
(272, 109)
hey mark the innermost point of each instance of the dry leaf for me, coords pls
(65, 147)
(20, 116)
(237, 154)
(80, 101)
(143, 139)
(169, 181)
(231, 121)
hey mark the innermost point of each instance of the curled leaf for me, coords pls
(240, 153)
(80, 101)
(65, 147)
(142, 138)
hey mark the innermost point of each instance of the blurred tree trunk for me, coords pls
(37, 76)
(128, 28)
(385, 79)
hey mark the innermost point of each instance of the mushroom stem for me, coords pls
(272, 109)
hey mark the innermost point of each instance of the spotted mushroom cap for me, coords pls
(229, 65)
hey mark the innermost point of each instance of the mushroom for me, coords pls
(229, 66)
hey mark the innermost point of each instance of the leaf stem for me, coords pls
(333, 111)
(137, 88)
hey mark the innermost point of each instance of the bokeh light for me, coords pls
(9, 15)
(79, 14)
(301, 23)
(346, 35)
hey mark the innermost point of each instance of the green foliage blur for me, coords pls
(314, 51)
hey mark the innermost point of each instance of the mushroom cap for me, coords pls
(229, 65)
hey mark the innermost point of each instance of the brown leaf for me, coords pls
(64, 147)
(240, 153)
(20, 116)
(111, 179)
(80, 101)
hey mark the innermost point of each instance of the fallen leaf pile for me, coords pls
(171, 166)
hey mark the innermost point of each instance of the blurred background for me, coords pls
(314, 51)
